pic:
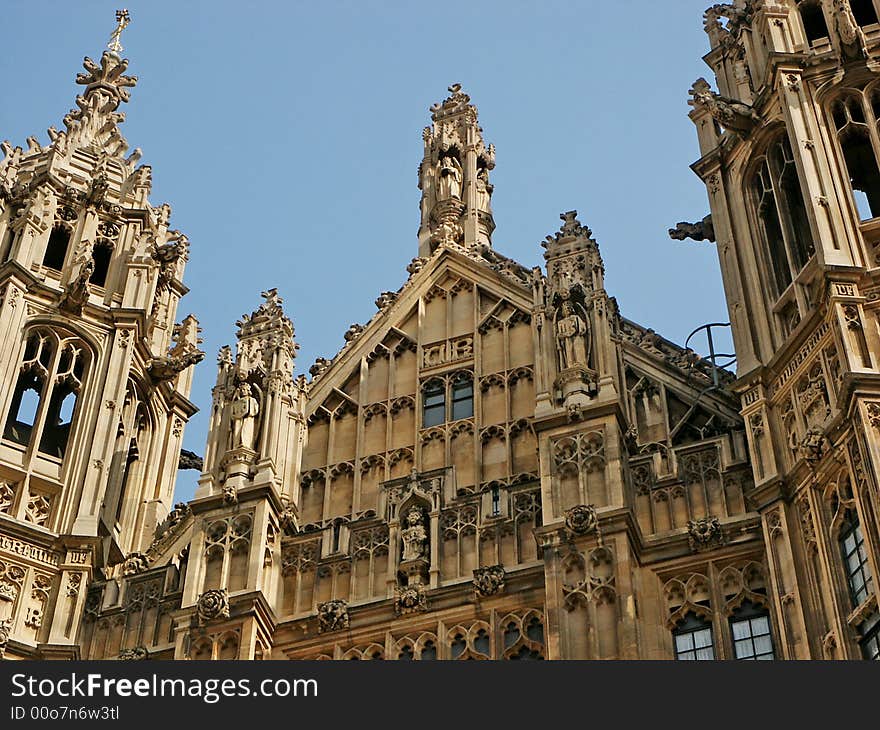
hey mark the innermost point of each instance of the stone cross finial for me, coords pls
(122, 21)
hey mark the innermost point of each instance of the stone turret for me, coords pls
(454, 177)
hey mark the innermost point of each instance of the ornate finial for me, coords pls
(454, 88)
(122, 21)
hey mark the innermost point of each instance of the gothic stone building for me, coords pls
(499, 464)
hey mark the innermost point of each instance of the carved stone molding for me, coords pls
(213, 605)
(704, 533)
(489, 581)
(332, 616)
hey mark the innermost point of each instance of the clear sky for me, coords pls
(286, 137)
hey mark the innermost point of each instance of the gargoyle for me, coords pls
(189, 460)
(731, 114)
(700, 231)
(168, 366)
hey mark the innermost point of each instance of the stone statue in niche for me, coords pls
(449, 178)
(414, 535)
(245, 409)
(484, 190)
(572, 338)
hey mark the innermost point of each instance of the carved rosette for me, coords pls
(213, 605)
(332, 616)
(704, 533)
(489, 581)
(582, 519)
(410, 599)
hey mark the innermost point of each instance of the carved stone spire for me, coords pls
(93, 124)
(454, 177)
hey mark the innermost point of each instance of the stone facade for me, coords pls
(498, 464)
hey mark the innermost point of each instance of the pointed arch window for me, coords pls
(750, 629)
(782, 214)
(433, 403)
(449, 398)
(43, 404)
(813, 18)
(857, 145)
(693, 639)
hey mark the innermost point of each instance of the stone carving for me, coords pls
(189, 460)
(572, 338)
(353, 332)
(184, 354)
(332, 616)
(7, 496)
(812, 446)
(702, 230)
(137, 653)
(5, 631)
(320, 366)
(243, 412)
(76, 293)
(386, 299)
(135, 563)
(38, 509)
(582, 519)
(213, 605)
(484, 191)
(449, 174)
(729, 113)
(489, 581)
(230, 494)
(414, 535)
(410, 599)
(852, 38)
(704, 533)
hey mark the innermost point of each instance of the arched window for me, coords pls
(433, 403)
(693, 639)
(864, 11)
(462, 396)
(854, 135)
(750, 629)
(815, 27)
(101, 255)
(855, 559)
(43, 404)
(782, 214)
(56, 249)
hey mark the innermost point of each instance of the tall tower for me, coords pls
(789, 154)
(95, 374)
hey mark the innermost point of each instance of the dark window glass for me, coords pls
(429, 651)
(870, 641)
(855, 559)
(56, 249)
(861, 166)
(792, 202)
(864, 11)
(406, 654)
(813, 19)
(434, 404)
(101, 256)
(481, 642)
(693, 639)
(750, 629)
(769, 218)
(496, 501)
(462, 398)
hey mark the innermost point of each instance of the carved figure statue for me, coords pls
(484, 190)
(572, 336)
(852, 37)
(245, 410)
(450, 178)
(415, 536)
(731, 114)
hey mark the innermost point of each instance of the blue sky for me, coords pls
(286, 136)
